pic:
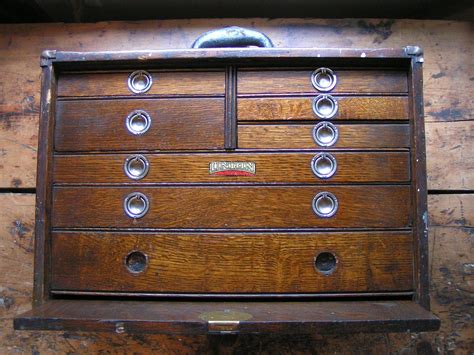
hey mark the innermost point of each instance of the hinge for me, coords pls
(46, 57)
(416, 52)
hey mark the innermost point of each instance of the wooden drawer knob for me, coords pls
(136, 167)
(138, 122)
(325, 106)
(324, 165)
(136, 205)
(323, 79)
(140, 81)
(325, 204)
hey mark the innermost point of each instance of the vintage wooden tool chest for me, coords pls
(231, 190)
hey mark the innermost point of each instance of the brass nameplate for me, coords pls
(232, 168)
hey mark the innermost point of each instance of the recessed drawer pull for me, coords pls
(325, 134)
(140, 81)
(136, 205)
(136, 167)
(325, 204)
(324, 79)
(324, 165)
(136, 261)
(325, 106)
(138, 122)
(325, 263)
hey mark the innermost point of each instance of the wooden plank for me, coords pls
(447, 69)
(450, 161)
(258, 317)
(301, 136)
(269, 168)
(350, 108)
(163, 83)
(185, 123)
(382, 206)
(299, 81)
(232, 263)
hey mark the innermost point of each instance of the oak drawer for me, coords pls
(232, 263)
(184, 123)
(163, 83)
(301, 108)
(314, 167)
(299, 81)
(380, 206)
(330, 135)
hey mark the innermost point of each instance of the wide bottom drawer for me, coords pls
(232, 263)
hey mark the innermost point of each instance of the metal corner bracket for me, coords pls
(47, 56)
(416, 52)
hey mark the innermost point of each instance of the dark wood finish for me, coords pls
(175, 124)
(186, 317)
(43, 186)
(164, 83)
(419, 200)
(301, 108)
(233, 263)
(233, 207)
(299, 81)
(231, 108)
(298, 136)
(270, 168)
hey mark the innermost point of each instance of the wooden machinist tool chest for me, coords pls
(229, 190)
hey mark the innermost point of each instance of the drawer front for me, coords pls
(163, 83)
(91, 125)
(380, 206)
(301, 108)
(315, 167)
(232, 263)
(299, 81)
(358, 136)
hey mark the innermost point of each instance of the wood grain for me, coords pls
(164, 83)
(300, 136)
(447, 86)
(300, 108)
(175, 124)
(233, 263)
(299, 81)
(232, 207)
(270, 168)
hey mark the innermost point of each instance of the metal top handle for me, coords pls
(232, 37)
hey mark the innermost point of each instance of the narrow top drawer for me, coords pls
(303, 81)
(153, 82)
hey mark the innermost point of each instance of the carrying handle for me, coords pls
(232, 37)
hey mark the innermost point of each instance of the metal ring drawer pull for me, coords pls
(324, 165)
(138, 122)
(136, 167)
(325, 106)
(140, 81)
(325, 134)
(324, 79)
(136, 205)
(325, 204)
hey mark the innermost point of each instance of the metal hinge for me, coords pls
(416, 52)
